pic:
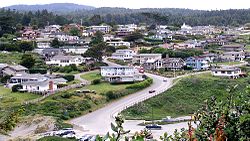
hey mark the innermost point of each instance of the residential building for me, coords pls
(121, 74)
(210, 57)
(65, 60)
(30, 34)
(13, 70)
(43, 44)
(173, 63)
(232, 56)
(123, 54)
(231, 72)
(102, 28)
(197, 63)
(51, 52)
(118, 43)
(143, 58)
(74, 49)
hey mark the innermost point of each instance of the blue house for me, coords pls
(197, 63)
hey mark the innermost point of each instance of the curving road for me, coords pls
(98, 122)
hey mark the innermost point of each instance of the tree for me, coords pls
(74, 31)
(96, 51)
(97, 39)
(133, 37)
(55, 43)
(27, 61)
(26, 46)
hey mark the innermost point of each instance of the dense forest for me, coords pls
(170, 16)
(11, 20)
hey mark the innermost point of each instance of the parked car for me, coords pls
(151, 91)
(153, 127)
(165, 79)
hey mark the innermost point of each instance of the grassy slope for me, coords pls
(185, 97)
(10, 58)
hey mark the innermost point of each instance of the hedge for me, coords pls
(141, 85)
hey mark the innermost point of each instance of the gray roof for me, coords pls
(113, 67)
(226, 69)
(3, 65)
(18, 67)
(66, 57)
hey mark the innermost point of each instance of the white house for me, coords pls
(123, 54)
(35, 82)
(226, 72)
(43, 44)
(74, 49)
(143, 58)
(121, 74)
(63, 60)
(39, 86)
(102, 28)
(232, 56)
(118, 43)
(186, 27)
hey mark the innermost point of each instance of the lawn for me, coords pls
(10, 58)
(227, 63)
(8, 98)
(92, 76)
(185, 97)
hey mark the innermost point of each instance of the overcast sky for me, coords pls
(191, 4)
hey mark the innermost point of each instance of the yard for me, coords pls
(186, 97)
(227, 63)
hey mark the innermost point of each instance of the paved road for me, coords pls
(98, 122)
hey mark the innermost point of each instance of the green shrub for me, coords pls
(5, 78)
(15, 88)
(141, 85)
(69, 77)
(96, 81)
(61, 85)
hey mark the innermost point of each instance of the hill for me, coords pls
(54, 7)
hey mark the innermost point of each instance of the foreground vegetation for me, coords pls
(185, 97)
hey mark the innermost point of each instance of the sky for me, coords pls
(135, 4)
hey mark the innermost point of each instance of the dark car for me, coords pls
(151, 91)
(153, 127)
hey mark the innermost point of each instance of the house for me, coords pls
(30, 34)
(118, 43)
(121, 74)
(197, 63)
(11, 70)
(74, 49)
(51, 52)
(230, 72)
(101, 28)
(41, 44)
(173, 63)
(36, 82)
(123, 54)
(210, 57)
(232, 56)
(153, 64)
(65, 60)
(39, 86)
(186, 27)
(143, 58)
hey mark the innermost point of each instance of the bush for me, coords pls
(141, 85)
(96, 81)
(15, 88)
(5, 79)
(69, 77)
(61, 85)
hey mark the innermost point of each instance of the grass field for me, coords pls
(185, 97)
(227, 63)
(92, 76)
(8, 98)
